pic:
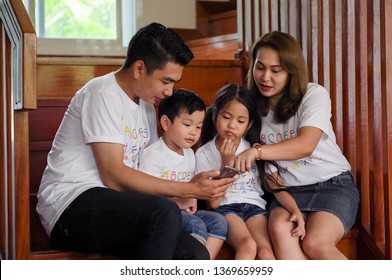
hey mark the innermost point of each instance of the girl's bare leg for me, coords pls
(286, 247)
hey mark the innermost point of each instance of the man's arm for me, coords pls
(116, 175)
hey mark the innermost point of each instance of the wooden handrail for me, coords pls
(18, 86)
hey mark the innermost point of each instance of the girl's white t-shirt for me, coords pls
(327, 159)
(99, 112)
(246, 189)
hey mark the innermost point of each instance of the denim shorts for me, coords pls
(243, 210)
(339, 196)
(204, 224)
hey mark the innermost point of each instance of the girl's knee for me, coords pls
(248, 247)
(265, 253)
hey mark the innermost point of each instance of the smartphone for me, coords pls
(227, 172)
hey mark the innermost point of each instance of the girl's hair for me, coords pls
(292, 61)
(242, 95)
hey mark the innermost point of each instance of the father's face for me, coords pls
(154, 87)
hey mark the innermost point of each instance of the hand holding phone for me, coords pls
(227, 172)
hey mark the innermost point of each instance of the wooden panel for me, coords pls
(347, 48)
(202, 76)
(386, 82)
(219, 47)
(49, 112)
(22, 217)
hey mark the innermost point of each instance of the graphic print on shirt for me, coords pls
(177, 175)
(246, 182)
(136, 139)
(276, 137)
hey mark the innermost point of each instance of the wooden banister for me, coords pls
(17, 79)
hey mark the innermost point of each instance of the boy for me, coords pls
(181, 117)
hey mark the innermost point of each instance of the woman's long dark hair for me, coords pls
(242, 95)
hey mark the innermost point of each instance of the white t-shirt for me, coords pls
(327, 159)
(160, 161)
(99, 112)
(246, 189)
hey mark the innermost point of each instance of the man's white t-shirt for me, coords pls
(160, 161)
(99, 112)
(246, 189)
(327, 159)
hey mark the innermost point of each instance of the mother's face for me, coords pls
(269, 76)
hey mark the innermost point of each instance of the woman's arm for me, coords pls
(294, 148)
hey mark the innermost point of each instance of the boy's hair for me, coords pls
(181, 99)
(292, 60)
(156, 45)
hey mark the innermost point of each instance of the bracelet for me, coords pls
(259, 149)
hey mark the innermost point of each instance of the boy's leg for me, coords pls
(132, 226)
(217, 230)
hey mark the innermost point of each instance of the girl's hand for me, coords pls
(300, 229)
(227, 151)
(243, 161)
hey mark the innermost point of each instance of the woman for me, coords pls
(298, 134)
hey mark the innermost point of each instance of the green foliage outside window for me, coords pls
(84, 19)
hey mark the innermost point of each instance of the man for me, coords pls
(92, 198)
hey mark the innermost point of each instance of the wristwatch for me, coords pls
(259, 149)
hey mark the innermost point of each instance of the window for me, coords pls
(82, 27)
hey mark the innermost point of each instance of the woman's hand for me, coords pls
(243, 161)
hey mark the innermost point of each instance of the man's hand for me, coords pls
(203, 187)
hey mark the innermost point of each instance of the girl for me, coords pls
(299, 134)
(230, 127)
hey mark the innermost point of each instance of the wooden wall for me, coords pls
(347, 45)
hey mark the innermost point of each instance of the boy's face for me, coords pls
(184, 131)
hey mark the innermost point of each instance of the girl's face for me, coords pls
(232, 121)
(269, 76)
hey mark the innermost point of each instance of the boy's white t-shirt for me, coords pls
(160, 161)
(327, 159)
(246, 189)
(99, 112)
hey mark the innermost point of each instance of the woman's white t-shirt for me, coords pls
(327, 159)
